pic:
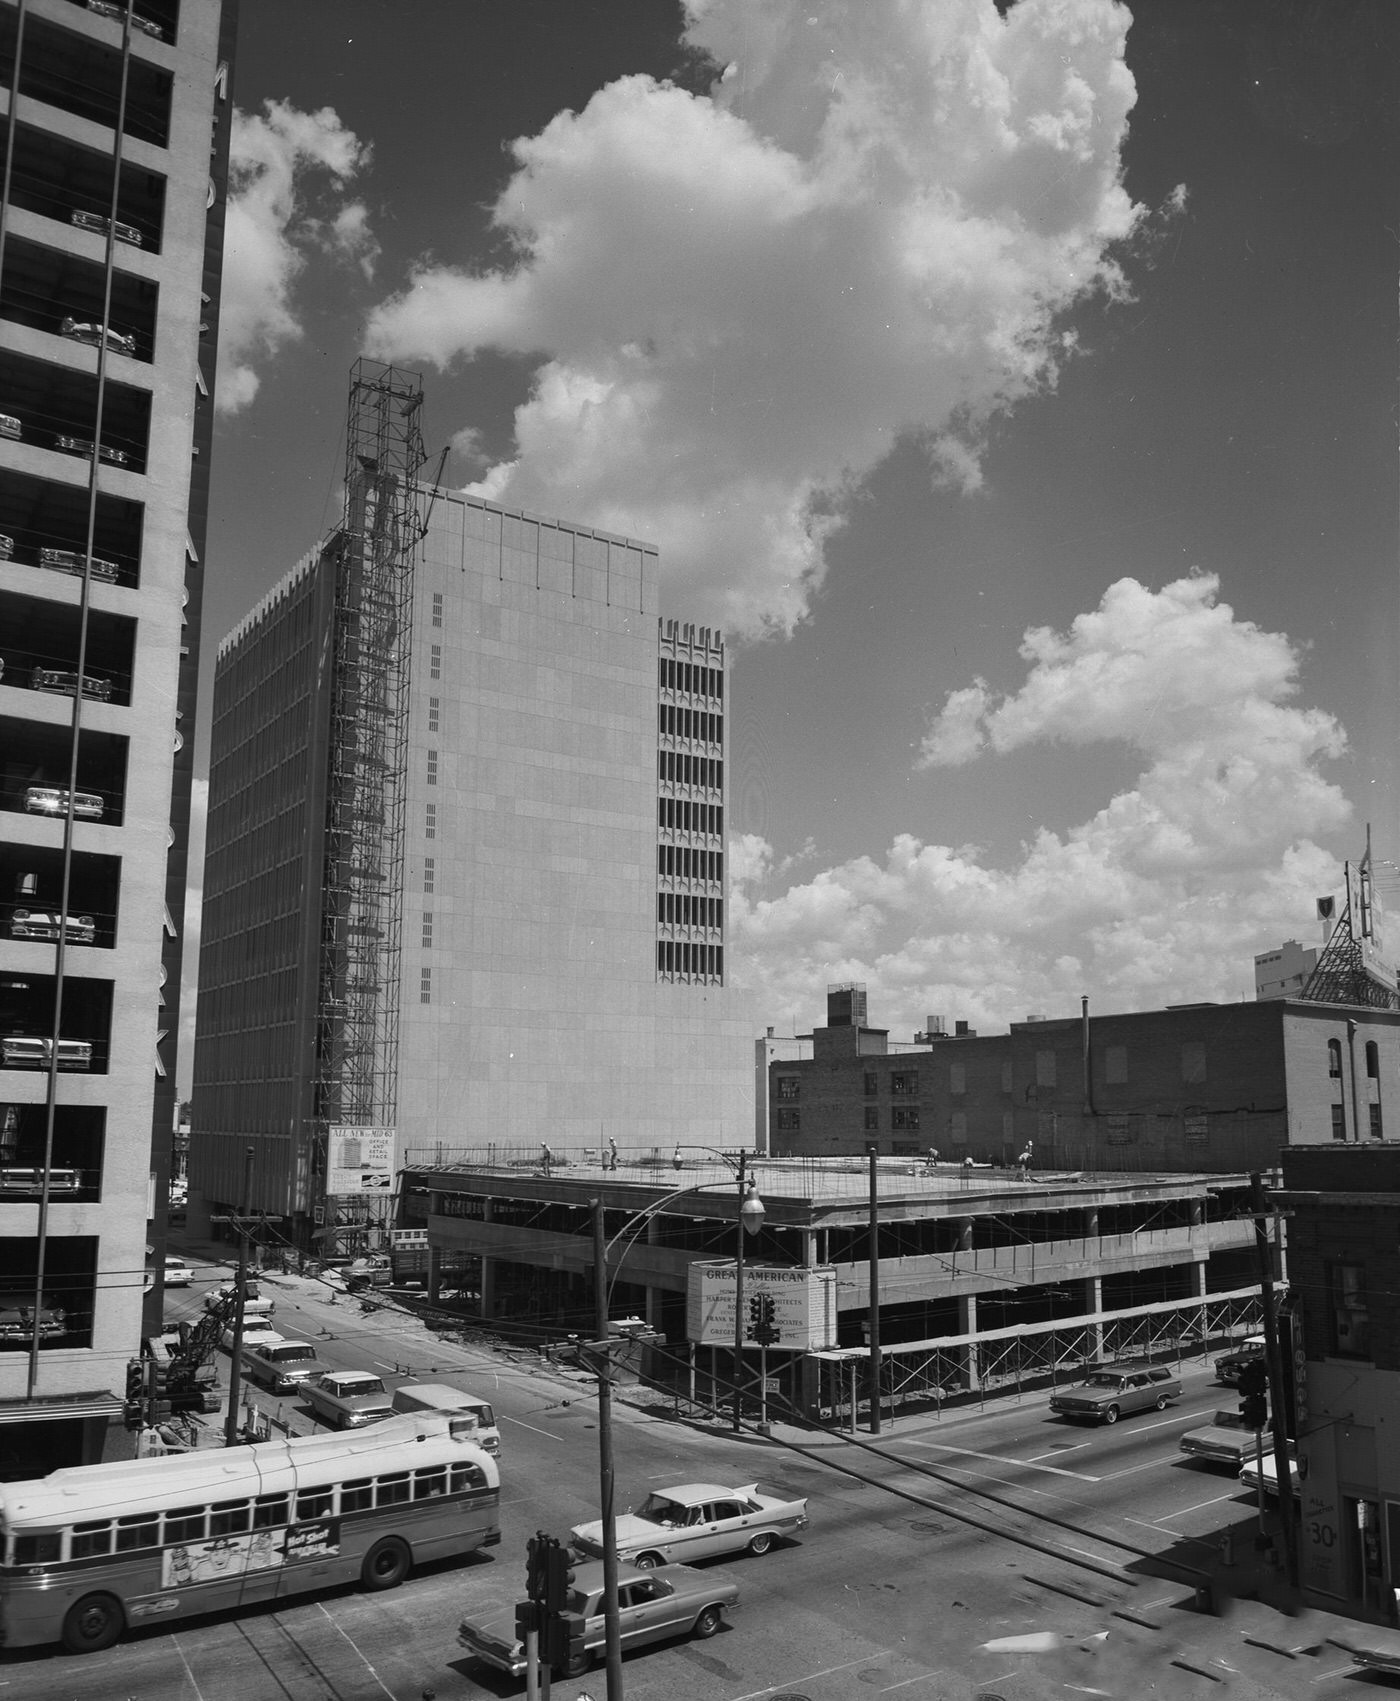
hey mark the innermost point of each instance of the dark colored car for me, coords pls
(1113, 1392)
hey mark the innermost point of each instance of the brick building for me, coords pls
(1211, 1087)
(1343, 1207)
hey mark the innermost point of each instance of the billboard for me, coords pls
(1369, 924)
(789, 1308)
(359, 1160)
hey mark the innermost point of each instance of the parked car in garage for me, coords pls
(1111, 1392)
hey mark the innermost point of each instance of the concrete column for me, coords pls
(488, 1271)
(653, 1300)
(1093, 1301)
(434, 1273)
(967, 1325)
(1196, 1213)
(1091, 1223)
(965, 1230)
(1198, 1278)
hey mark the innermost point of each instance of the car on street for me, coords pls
(652, 1606)
(1250, 1472)
(1225, 1440)
(1114, 1391)
(255, 1304)
(1229, 1365)
(1374, 1647)
(178, 1274)
(7, 546)
(696, 1520)
(348, 1399)
(10, 426)
(281, 1366)
(257, 1331)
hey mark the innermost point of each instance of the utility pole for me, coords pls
(236, 1366)
(739, 1304)
(1283, 1466)
(874, 1312)
(612, 1625)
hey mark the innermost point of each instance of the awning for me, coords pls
(46, 1409)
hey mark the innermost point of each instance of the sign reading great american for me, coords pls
(803, 1304)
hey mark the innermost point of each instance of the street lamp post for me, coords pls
(750, 1221)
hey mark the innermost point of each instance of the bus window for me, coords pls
(42, 1548)
(143, 1530)
(185, 1524)
(314, 1503)
(357, 1495)
(228, 1517)
(467, 1476)
(392, 1489)
(89, 1540)
(427, 1484)
(269, 1511)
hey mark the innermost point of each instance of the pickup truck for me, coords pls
(1112, 1392)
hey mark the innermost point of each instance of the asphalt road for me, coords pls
(911, 1584)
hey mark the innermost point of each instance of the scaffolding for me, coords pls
(1352, 968)
(374, 554)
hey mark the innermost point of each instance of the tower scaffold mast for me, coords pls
(1355, 966)
(374, 553)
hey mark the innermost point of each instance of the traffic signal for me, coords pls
(527, 1619)
(1254, 1410)
(558, 1578)
(1254, 1378)
(534, 1565)
(134, 1405)
(763, 1326)
(563, 1642)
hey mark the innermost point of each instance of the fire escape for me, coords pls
(358, 982)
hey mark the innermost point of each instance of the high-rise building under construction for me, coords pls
(465, 878)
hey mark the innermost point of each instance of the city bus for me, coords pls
(90, 1550)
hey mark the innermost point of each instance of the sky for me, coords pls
(1015, 387)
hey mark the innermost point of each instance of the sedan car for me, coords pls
(1229, 1365)
(33, 1051)
(69, 445)
(65, 681)
(257, 1331)
(178, 1274)
(281, 1366)
(48, 924)
(53, 800)
(652, 1605)
(1251, 1475)
(1374, 1647)
(696, 1520)
(100, 224)
(1108, 1394)
(72, 561)
(85, 331)
(348, 1399)
(1226, 1440)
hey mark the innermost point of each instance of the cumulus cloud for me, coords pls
(738, 302)
(288, 170)
(1162, 896)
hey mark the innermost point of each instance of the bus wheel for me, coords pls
(92, 1624)
(386, 1564)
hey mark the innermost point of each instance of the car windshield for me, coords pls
(657, 1509)
(1229, 1420)
(1105, 1379)
(291, 1355)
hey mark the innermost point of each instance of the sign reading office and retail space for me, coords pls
(360, 1160)
(798, 1305)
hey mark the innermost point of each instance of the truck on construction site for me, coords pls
(178, 1373)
